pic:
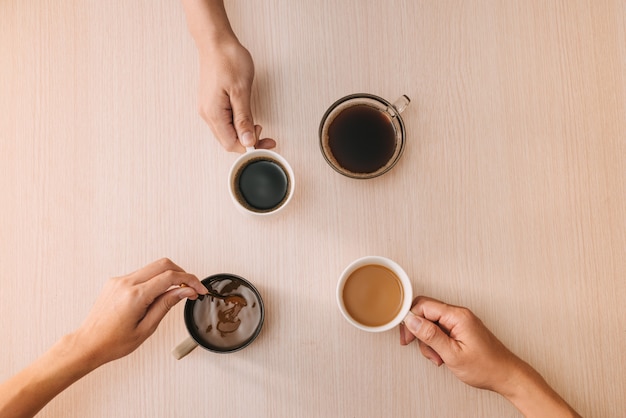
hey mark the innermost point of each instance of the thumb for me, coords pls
(162, 305)
(242, 119)
(430, 334)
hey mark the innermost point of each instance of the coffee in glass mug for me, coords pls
(362, 136)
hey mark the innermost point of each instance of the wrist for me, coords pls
(208, 44)
(517, 379)
(528, 391)
(75, 353)
(208, 23)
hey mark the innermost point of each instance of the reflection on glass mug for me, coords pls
(362, 136)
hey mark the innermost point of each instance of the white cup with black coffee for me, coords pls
(261, 182)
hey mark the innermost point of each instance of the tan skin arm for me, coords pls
(454, 336)
(126, 313)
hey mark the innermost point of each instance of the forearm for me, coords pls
(207, 21)
(533, 397)
(24, 394)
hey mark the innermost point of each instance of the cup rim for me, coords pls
(397, 270)
(188, 315)
(248, 155)
(348, 173)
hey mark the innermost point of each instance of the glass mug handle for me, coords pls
(401, 104)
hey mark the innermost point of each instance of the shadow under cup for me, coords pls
(362, 136)
(224, 327)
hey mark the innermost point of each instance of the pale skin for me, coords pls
(126, 313)
(226, 77)
(454, 336)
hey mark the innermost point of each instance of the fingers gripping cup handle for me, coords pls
(185, 347)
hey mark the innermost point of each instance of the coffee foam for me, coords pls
(208, 316)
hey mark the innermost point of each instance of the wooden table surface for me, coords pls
(510, 198)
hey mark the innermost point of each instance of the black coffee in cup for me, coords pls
(261, 184)
(362, 139)
(362, 136)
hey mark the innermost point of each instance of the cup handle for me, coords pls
(401, 103)
(184, 347)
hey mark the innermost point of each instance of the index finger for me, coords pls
(242, 118)
(406, 337)
(219, 116)
(221, 123)
(436, 311)
(161, 283)
(152, 270)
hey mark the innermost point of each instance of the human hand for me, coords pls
(130, 308)
(455, 336)
(226, 75)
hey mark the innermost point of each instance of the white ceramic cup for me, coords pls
(242, 161)
(407, 291)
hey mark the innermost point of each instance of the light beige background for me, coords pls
(510, 198)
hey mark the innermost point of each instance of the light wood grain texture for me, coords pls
(510, 198)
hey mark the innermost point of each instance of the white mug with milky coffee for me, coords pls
(374, 294)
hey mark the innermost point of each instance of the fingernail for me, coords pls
(413, 323)
(247, 139)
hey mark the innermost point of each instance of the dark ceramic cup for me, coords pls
(223, 325)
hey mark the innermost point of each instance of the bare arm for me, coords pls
(208, 22)
(454, 336)
(126, 313)
(533, 397)
(226, 76)
(24, 394)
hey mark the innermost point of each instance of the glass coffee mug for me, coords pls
(362, 136)
(374, 294)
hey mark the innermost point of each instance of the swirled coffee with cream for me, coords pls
(227, 324)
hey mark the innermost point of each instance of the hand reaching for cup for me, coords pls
(126, 313)
(226, 75)
(130, 308)
(454, 336)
